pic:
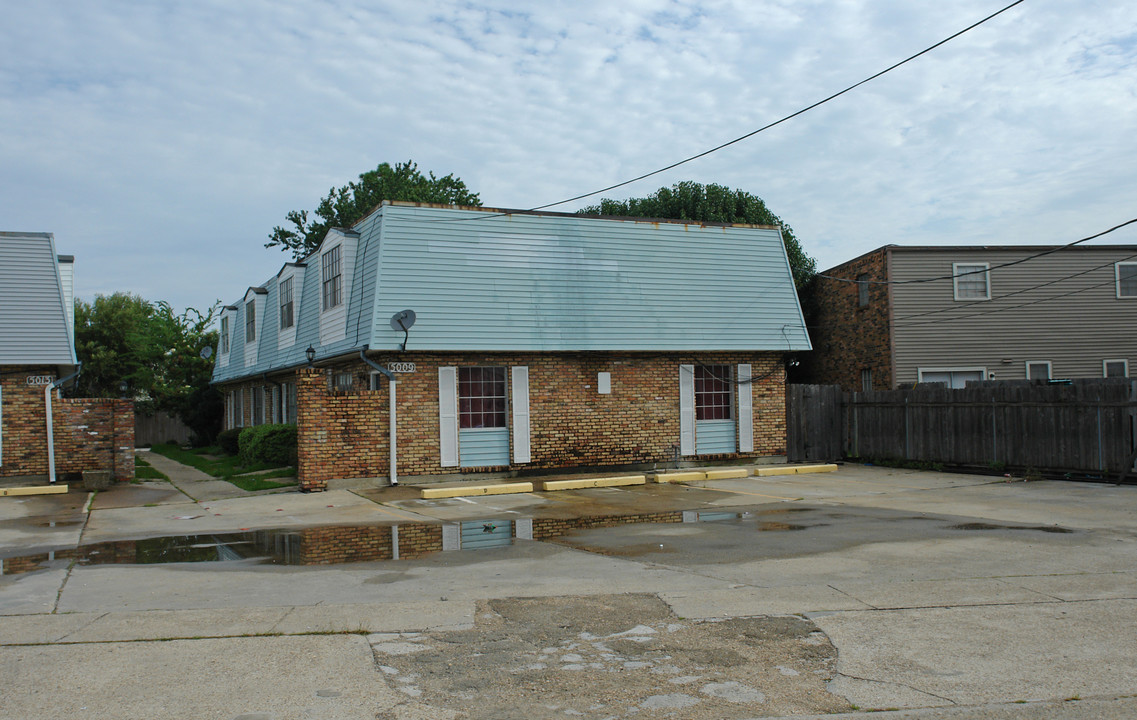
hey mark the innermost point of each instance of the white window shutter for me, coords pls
(686, 409)
(520, 402)
(448, 415)
(745, 410)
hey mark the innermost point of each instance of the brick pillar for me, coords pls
(311, 435)
(122, 420)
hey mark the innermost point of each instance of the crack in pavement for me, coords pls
(894, 682)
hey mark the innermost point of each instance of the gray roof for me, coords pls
(492, 280)
(33, 313)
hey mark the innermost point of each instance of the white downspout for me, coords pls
(50, 425)
(50, 434)
(393, 475)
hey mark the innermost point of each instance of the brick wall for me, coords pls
(343, 434)
(846, 337)
(94, 434)
(90, 434)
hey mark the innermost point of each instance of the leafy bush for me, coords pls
(228, 440)
(274, 444)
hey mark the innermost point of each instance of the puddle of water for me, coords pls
(989, 526)
(779, 527)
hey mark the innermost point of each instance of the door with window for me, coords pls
(715, 409)
(474, 430)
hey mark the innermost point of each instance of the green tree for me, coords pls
(345, 206)
(157, 352)
(710, 203)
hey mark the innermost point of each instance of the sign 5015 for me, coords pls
(41, 379)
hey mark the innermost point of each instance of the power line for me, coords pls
(977, 272)
(752, 133)
(1016, 307)
(966, 306)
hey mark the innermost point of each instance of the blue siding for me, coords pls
(34, 329)
(483, 447)
(531, 282)
(486, 281)
(715, 436)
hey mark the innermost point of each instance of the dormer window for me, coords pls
(224, 335)
(332, 276)
(287, 316)
(250, 321)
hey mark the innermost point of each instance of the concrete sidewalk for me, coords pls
(951, 595)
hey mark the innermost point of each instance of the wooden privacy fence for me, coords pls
(159, 428)
(1086, 426)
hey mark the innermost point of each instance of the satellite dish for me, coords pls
(206, 352)
(404, 320)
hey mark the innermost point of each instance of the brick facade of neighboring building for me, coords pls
(851, 336)
(344, 434)
(90, 434)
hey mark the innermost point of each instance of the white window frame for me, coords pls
(866, 379)
(251, 321)
(224, 349)
(1124, 363)
(337, 377)
(335, 281)
(287, 283)
(1117, 280)
(1049, 368)
(968, 368)
(863, 298)
(986, 275)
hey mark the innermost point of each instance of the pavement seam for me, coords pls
(853, 597)
(893, 682)
(62, 640)
(281, 619)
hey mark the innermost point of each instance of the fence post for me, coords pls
(1101, 456)
(994, 433)
(907, 432)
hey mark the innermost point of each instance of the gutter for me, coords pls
(50, 426)
(392, 382)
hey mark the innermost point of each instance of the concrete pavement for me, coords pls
(951, 595)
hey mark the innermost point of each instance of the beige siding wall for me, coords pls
(1074, 323)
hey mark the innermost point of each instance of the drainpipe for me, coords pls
(50, 425)
(392, 473)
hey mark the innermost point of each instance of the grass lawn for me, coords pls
(143, 471)
(213, 461)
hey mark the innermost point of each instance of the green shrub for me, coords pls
(228, 441)
(274, 444)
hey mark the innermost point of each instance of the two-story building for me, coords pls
(901, 315)
(535, 340)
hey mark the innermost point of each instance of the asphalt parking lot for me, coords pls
(936, 595)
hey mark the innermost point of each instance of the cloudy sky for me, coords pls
(162, 141)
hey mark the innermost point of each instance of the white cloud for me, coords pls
(161, 142)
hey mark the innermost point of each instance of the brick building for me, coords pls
(901, 315)
(537, 341)
(37, 357)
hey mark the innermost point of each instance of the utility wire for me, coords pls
(984, 270)
(752, 133)
(969, 305)
(1016, 307)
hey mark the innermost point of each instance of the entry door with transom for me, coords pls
(483, 435)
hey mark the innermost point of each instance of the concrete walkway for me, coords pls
(949, 595)
(194, 483)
